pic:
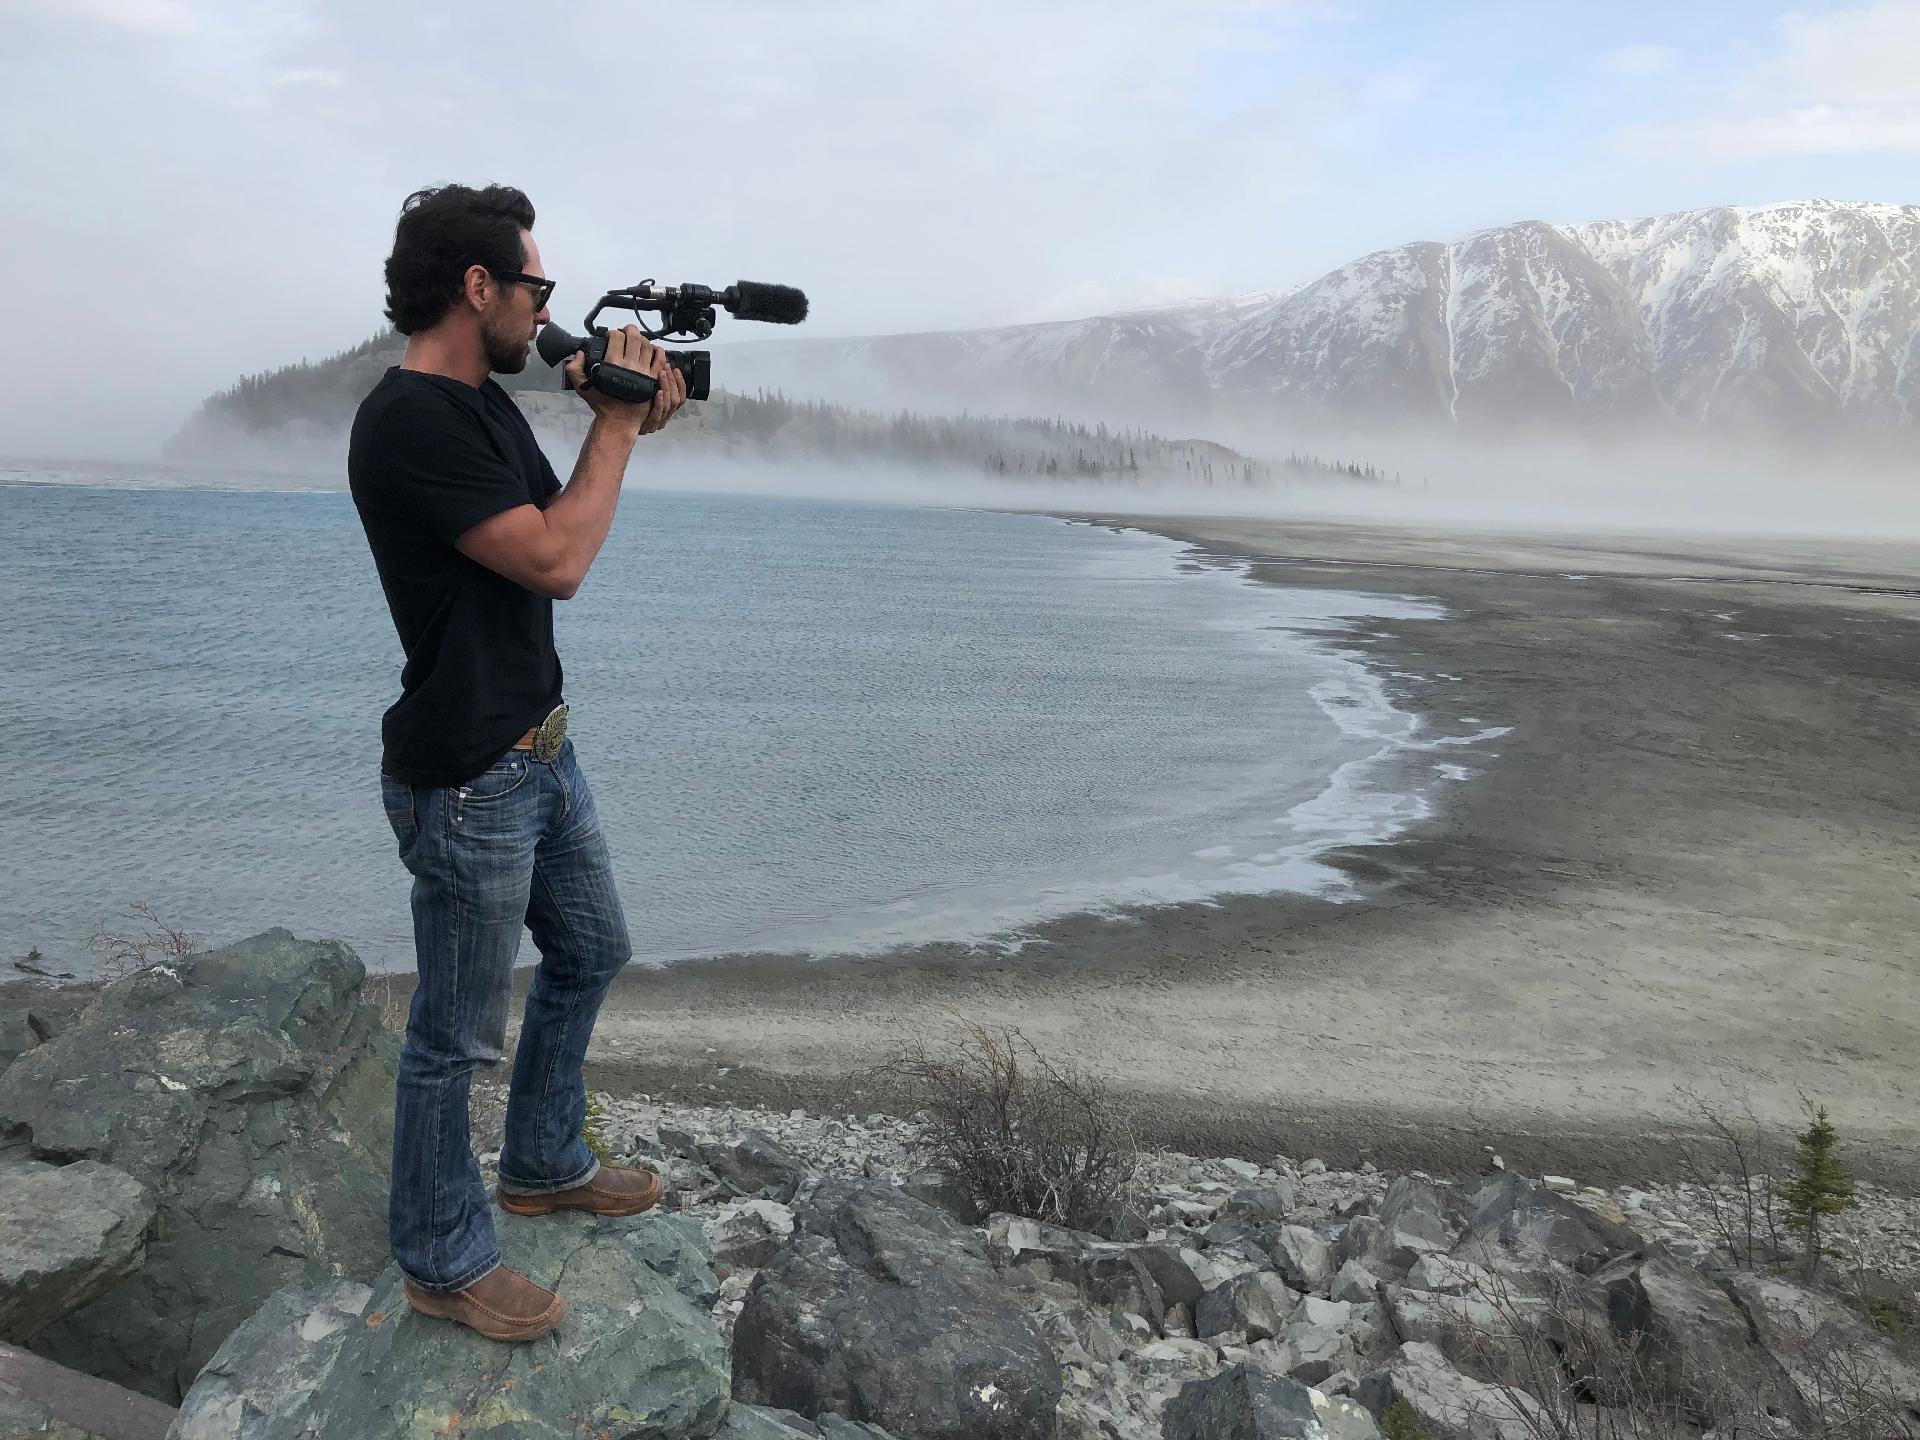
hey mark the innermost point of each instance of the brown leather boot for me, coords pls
(502, 1304)
(615, 1190)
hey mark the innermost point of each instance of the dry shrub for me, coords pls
(1731, 1159)
(1026, 1135)
(147, 940)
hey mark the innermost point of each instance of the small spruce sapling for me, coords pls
(1819, 1187)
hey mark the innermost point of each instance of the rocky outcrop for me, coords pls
(1692, 1338)
(884, 1309)
(251, 1091)
(1823, 1345)
(1443, 1402)
(67, 1234)
(1245, 1403)
(1514, 1217)
(40, 1400)
(33, 1013)
(636, 1356)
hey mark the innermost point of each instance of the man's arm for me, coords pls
(549, 551)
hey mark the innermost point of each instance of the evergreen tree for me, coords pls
(1820, 1187)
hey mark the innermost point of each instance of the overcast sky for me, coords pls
(196, 190)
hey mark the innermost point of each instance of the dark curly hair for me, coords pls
(441, 232)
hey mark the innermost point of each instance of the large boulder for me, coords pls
(45, 1401)
(637, 1356)
(68, 1233)
(1516, 1219)
(1445, 1403)
(1252, 1307)
(1690, 1339)
(1304, 1260)
(251, 1090)
(883, 1309)
(1824, 1345)
(1248, 1403)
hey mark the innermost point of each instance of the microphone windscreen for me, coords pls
(776, 304)
(555, 345)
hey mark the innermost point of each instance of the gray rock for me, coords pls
(1512, 1216)
(677, 1140)
(24, 1418)
(1262, 1205)
(1446, 1403)
(937, 1188)
(1255, 1306)
(1304, 1260)
(1416, 1218)
(43, 1012)
(68, 1233)
(50, 1402)
(251, 1089)
(1472, 1333)
(885, 1310)
(637, 1354)
(1798, 1326)
(1448, 1275)
(747, 1234)
(754, 1164)
(1248, 1403)
(758, 1422)
(1694, 1340)
(1250, 1243)
(1183, 1277)
(1354, 1282)
(1311, 1353)
(1101, 1272)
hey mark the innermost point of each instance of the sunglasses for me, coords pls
(542, 287)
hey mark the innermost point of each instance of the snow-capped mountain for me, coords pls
(1800, 315)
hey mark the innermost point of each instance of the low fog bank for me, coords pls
(1531, 484)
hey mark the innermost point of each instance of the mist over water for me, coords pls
(810, 726)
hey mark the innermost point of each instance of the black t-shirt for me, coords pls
(430, 458)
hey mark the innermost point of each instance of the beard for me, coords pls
(506, 355)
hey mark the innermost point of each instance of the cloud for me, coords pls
(1639, 62)
(1846, 83)
(331, 79)
(136, 17)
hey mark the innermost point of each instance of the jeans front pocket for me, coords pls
(503, 779)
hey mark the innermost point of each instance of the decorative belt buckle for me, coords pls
(551, 735)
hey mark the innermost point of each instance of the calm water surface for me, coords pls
(809, 726)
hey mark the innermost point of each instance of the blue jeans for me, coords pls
(517, 846)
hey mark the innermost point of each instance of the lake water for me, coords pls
(810, 726)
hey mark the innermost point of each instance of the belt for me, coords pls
(546, 738)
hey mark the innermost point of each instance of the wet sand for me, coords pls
(1693, 862)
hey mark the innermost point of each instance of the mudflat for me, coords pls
(1693, 862)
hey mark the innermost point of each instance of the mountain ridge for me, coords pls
(1797, 316)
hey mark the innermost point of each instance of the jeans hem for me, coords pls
(509, 1188)
(474, 1277)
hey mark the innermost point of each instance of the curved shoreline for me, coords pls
(1692, 866)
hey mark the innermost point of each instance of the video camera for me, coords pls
(686, 312)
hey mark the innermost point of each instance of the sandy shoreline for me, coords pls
(1693, 862)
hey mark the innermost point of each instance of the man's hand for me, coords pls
(630, 350)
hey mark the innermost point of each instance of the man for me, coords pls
(474, 540)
